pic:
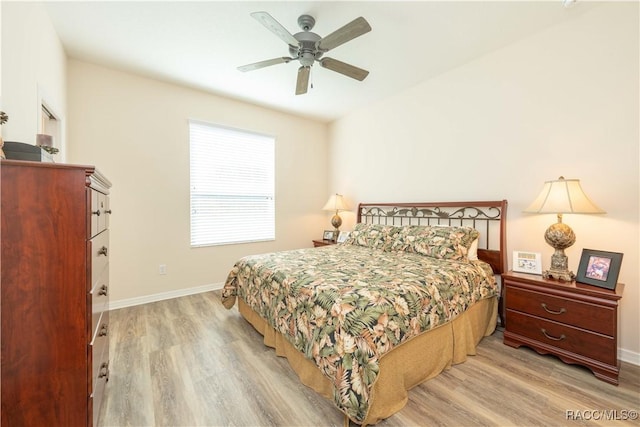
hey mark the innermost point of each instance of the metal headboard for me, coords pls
(489, 218)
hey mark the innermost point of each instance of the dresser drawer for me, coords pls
(99, 212)
(99, 298)
(98, 382)
(578, 341)
(580, 314)
(95, 399)
(99, 343)
(99, 255)
(100, 322)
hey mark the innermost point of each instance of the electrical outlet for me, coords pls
(162, 269)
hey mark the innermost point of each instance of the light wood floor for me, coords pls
(190, 362)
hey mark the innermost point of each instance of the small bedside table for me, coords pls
(318, 243)
(576, 322)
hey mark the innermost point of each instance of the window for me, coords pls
(232, 185)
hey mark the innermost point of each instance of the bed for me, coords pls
(411, 292)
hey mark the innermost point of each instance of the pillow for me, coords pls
(472, 253)
(373, 236)
(450, 243)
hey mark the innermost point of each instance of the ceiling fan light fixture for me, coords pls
(306, 59)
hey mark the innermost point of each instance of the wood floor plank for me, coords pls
(129, 401)
(190, 362)
(171, 389)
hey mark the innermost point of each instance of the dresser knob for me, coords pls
(544, 332)
(103, 251)
(96, 213)
(108, 211)
(104, 370)
(562, 310)
(104, 290)
(104, 330)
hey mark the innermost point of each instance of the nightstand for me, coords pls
(576, 322)
(318, 243)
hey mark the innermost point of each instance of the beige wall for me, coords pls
(136, 131)
(33, 70)
(562, 102)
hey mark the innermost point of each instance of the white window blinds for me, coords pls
(232, 185)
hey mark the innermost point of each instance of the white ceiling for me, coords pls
(200, 44)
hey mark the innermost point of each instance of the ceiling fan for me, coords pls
(308, 47)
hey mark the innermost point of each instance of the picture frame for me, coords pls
(327, 235)
(599, 268)
(342, 237)
(527, 262)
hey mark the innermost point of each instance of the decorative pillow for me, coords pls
(374, 236)
(472, 254)
(451, 243)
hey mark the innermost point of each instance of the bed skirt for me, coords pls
(404, 367)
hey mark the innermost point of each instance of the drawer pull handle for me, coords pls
(104, 370)
(104, 290)
(108, 211)
(562, 310)
(544, 332)
(104, 330)
(103, 251)
(96, 213)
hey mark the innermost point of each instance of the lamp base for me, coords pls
(336, 221)
(563, 275)
(560, 236)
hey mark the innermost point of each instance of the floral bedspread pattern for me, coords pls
(344, 306)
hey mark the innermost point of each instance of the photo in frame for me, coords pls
(327, 235)
(342, 237)
(527, 262)
(599, 268)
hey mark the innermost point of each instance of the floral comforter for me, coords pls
(345, 306)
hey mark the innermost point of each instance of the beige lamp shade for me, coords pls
(336, 203)
(563, 196)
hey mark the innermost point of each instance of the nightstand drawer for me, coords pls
(577, 313)
(320, 243)
(577, 341)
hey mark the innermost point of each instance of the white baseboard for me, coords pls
(623, 354)
(129, 302)
(629, 356)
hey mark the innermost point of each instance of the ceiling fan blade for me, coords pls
(275, 27)
(344, 68)
(303, 80)
(353, 29)
(262, 64)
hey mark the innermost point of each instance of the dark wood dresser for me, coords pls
(54, 267)
(574, 321)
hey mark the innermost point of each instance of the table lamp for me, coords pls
(559, 197)
(336, 203)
